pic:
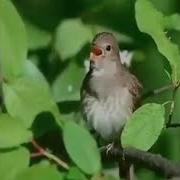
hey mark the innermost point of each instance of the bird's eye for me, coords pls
(108, 47)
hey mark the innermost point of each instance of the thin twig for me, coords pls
(173, 125)
(157, 91)
(48, 155)
(56, 159)
(37, 154)
(162, 89)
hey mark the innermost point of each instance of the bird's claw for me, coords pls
(107, 148)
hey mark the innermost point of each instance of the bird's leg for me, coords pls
(123, 155)
(107, 148)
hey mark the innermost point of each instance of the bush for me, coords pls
(43, 48)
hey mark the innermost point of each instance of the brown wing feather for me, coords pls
(132, 83)
(135, 88)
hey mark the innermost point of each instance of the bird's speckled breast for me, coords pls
(108, 115)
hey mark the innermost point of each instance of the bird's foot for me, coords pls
(107, 148)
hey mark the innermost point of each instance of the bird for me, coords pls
(109, 92)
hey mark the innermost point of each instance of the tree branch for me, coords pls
(172, 125)
(148, 160)
(43, 152)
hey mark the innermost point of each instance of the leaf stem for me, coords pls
(47, 154)
(172, 106)
(157, 91)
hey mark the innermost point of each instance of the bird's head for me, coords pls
(104, 54)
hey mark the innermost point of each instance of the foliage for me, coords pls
(75, 32)
(12, 128)
(157, 30)
(40, 171)
(7, 160)
(13, 48)
(69, 87)
(147, 119)
(42, 52)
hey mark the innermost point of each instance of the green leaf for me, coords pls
(121, 38)
(13, 47)
(75, 174)
(25, 98)
(71, 36)
(12, 162)
(153, 23)
(176, 112)
(143, 127)
(172, 22)
(31, 71)
(110, 177)
(81, 147)
(40, 172)
(12, 132)
(105, 177)
(68, 83)
(37, 38)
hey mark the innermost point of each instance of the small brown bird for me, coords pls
(109, 91)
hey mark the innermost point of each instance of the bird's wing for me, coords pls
(135, 88)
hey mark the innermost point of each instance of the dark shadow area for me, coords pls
(67, 107)
(44, 123)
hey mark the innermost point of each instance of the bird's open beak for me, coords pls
(95, 52)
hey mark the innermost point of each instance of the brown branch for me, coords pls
(43, 152)
(37, 154)
(148, 160)
(172, 125)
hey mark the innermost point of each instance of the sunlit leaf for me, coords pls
(12, 132)
(143, 127)
(172, 22)
(25, 98)
(75, 174)
(40, 172)
(81, 147)
(37, 38)
(153, 23)
(8, 166)
(13, 46)
(31, 71)
(68, 83)
(71, 36)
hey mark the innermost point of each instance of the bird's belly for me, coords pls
(108, 116)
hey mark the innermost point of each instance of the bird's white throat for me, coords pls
(108, 68)
(108, 116)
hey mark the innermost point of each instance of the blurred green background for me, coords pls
(59, 33)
